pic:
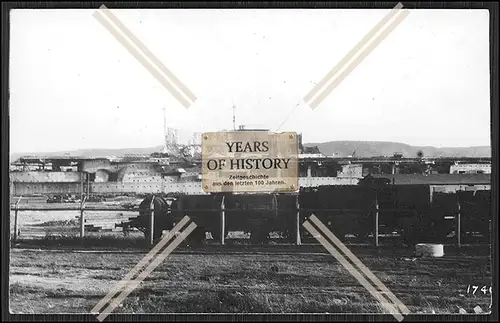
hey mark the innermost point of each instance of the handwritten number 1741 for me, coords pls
(472, 289)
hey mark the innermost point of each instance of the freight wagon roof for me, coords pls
(437, 179)
(409, 160)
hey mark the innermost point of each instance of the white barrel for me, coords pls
(429, 250)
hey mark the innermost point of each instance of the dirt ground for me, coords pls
(306, 280)
(69, 275)
(45, 223)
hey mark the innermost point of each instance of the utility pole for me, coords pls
(165, 140)
(234, 116)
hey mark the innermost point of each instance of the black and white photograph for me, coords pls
(250, 161)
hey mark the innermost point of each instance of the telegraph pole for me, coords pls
(165, 140)
(234, 116)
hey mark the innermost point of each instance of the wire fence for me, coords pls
(32, 220)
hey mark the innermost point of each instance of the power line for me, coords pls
(234, 116)
(288, 116)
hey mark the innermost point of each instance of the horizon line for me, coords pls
(310, 143)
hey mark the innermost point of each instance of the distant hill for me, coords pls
(93, 152)
(382, 148)
(340, 148)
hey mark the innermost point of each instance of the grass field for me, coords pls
(52, 281)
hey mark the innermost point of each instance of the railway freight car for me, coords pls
(257, 214)
(475, 214)
(403, 209)
(261, 214)
(414, 212)
(345, 209)
(409, 210)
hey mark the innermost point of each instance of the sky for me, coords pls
(74, 86)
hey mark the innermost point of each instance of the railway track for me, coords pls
(452, 253)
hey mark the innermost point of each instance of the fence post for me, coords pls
(297, 223)
(152, 221)
(375, 231)
(82, 185)
(82, 217)
(87, 176)
(11, 190)
(16, 223)
(223, 220)
(459, 229)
